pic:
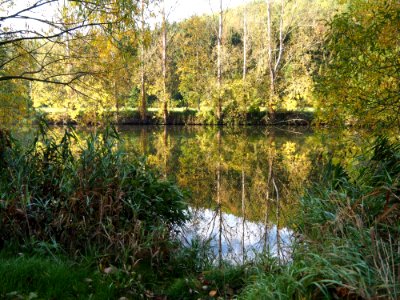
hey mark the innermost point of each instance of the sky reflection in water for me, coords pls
(241, 240)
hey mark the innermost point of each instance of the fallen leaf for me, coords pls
(212, 293)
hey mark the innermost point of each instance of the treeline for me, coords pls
(338, 58)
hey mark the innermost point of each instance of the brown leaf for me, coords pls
(212, 293)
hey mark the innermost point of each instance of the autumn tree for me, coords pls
(53, 49)
(194, 64)
(360, 79)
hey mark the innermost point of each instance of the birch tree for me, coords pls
(219, 64)
(164, 64)
(143, 102)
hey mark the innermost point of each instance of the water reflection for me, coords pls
(234, 239)
(245, 182)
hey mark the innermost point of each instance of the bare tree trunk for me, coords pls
(271, 111)
(164, 65)
(143, 101)
(219, 203)
(244, 44)
(197, 69)
(245, 62)
(219, 65)
(244, 216)
(280, 51)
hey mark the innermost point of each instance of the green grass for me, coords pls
(29, 277)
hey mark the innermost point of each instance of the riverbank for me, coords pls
(177, 116)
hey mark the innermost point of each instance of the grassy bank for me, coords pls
(33, 276)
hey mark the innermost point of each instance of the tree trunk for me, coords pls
(274, 59)
(219, 65)
(164, 65)
(143, 101)
(271, 111)
(245, 92)
(244, 44)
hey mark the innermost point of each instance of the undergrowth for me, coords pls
(38, 277)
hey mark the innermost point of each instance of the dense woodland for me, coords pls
(120, 59)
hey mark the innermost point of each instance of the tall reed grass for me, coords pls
(85, 197)
(349, 235)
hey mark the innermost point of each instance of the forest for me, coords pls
(124, 62)
(287, 187)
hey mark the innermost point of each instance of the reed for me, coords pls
(348, 246)
(86, 197)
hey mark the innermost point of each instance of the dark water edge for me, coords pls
(184, 117)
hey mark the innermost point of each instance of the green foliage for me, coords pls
(14, 95)
(85, 197)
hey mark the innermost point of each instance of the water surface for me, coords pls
(245, 183)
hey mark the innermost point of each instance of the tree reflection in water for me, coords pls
(245, 183)
(237, 236)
